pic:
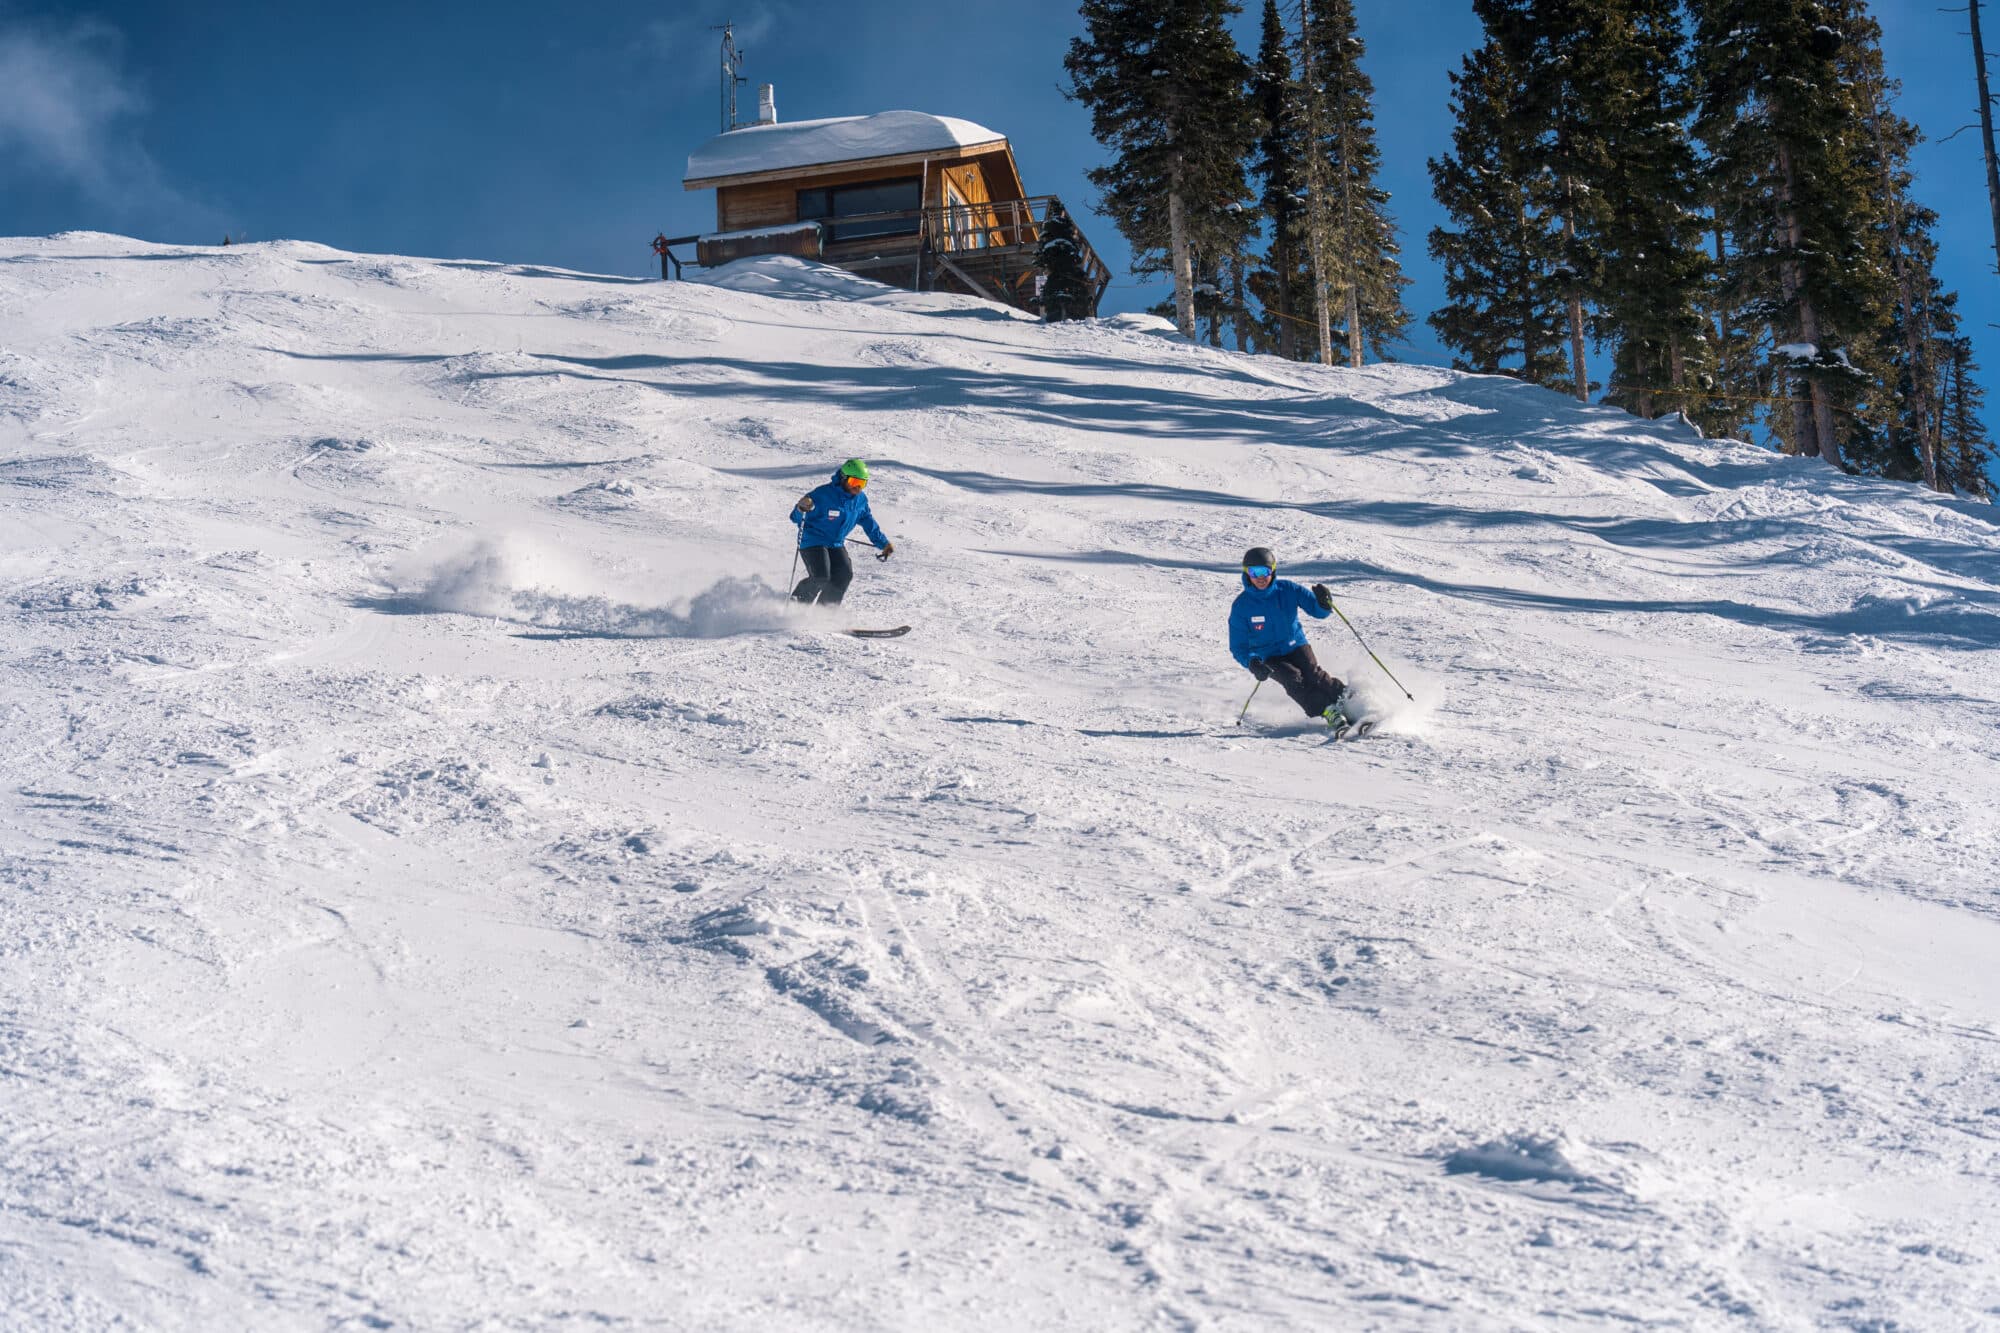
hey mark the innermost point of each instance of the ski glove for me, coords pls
(888, 549)
(1324, 596)
(1260, 668)
(805, 504)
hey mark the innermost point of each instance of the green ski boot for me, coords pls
(1340, 721)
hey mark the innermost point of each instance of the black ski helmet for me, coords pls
(1260, 555)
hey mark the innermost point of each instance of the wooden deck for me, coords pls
(985, 250)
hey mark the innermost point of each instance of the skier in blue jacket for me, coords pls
(1266, 639)
(825, 515)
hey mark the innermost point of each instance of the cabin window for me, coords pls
(830, 203)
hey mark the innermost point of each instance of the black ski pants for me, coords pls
(1300, 674)
(828, 572)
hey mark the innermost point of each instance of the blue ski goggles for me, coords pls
(1259, 571)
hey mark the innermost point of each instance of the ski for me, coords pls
(895, 633)
(1353, 731)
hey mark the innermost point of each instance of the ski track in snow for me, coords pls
(446, 887)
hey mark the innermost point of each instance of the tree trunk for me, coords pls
(1829, 441)
(1281, 257)
(1183, 262)
(1211, 278)
(1802, 442)
(1677, 371)
(1822, 402)
(1349, 243)
(1315, 186)
(1576, 346)
(1239, 314)
(1354, 325)
(1805, 415)
(1530, 342)
(1581, 370)
(1721, 311)
(1323, 307)
(1986, 123)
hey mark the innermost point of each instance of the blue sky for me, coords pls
(558, 134)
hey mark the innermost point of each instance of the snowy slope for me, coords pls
(440, 887)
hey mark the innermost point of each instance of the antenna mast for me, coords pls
(732, 60)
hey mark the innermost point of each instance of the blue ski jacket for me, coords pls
(1266, 624)
(833, 515)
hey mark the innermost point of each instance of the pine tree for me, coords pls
(1280, 279)
(1562, 61)
(1166, 88)
(1794, 193)
(1500, 256)
(1904, 433)
(1967, 448)
(1221, 232)
(1652, 275)
(1739, 382)
(1066, 290)
(1353, 234)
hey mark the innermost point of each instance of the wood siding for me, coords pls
(805, 242)
(773, 203)
(969, 186)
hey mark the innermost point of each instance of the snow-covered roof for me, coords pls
(812, 143)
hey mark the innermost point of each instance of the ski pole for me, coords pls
(1246, 703)
(1370, 651)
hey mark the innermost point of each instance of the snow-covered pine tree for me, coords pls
(1065, 292)
(1280, 279)
(1795, 196)
(1653, 271)
(1967, 449)
(1166, 88)
(1502, 300)
(1348, 219)
(1065, 285)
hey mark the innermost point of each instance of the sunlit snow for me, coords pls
(443, 883)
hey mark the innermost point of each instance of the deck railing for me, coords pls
(956, 228)
(985, 237)
(993, 245)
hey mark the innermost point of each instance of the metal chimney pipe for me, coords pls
(767, 104)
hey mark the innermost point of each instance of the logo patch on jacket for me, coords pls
(1257, 622)
(833, 513)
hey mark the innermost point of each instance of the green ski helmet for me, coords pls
(854, 468)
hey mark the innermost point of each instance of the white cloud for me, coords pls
(67, 113)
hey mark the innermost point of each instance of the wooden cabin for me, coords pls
(923, 202)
